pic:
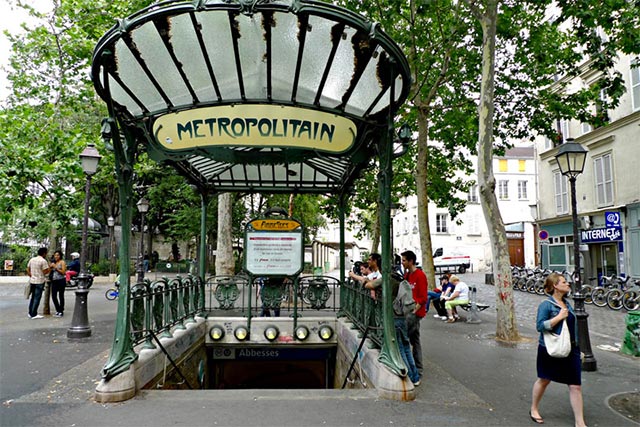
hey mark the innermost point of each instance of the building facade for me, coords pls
(607, 194)
(515, 175)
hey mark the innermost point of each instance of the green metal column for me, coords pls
(341, 219)
(390, 354)
(122, 354)
(202, 258)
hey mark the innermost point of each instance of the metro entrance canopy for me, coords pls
(283, 96)
(265, 96)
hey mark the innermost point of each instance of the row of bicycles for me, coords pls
(613, 291)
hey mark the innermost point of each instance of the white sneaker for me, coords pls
(37, 316)
(437, 316)
(444, 318)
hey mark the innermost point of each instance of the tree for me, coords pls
(50, 116)
(436, 37)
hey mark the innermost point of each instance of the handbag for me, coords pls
(27, 290)
(558, 345)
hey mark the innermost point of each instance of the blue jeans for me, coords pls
(405, 348)
(36, 295)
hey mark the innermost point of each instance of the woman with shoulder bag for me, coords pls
(554, 314)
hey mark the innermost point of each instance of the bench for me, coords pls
(473, 307)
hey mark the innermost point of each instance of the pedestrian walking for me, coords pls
(566, 370)
(418, 282)
(37, 270)
(58, 282)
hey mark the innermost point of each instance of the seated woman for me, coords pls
(460, 296)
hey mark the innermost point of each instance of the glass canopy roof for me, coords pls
(258, 95)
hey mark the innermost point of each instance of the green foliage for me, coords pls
(100, 268)
(20, 256)
(50, 116)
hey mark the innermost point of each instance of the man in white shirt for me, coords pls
(37, 270)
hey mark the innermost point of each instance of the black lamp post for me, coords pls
(111, 222)
(80, 322)
(571, 157)
(143, 208)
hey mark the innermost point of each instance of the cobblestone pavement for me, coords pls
(606, 326)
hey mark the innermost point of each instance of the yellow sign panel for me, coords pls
(255, 126)
(274, 224)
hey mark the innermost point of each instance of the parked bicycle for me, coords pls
(599, 294)
(631, 297)
(614, 296)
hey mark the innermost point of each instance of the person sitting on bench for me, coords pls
(444, 288)
(460, 296)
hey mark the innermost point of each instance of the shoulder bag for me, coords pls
(558, 345)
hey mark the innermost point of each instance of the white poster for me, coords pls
(273, 254)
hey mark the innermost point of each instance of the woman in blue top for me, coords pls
(565, 370)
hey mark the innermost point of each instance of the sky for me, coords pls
(10, 19)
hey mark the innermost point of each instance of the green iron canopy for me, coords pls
(268, 96)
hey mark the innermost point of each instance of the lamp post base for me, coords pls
(589, 363)
(80, 322)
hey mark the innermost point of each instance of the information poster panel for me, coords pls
(274, 253)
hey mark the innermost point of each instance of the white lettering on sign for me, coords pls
(598, 234)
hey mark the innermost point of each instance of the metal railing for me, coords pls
(164, 305)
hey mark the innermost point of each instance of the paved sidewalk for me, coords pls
(470, 379)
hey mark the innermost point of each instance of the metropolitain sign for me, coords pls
(255, 126)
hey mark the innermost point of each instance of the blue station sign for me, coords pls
(601, 235)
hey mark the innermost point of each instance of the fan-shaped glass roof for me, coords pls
(255, 95)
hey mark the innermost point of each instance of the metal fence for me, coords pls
(168, 304)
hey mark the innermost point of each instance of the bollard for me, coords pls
(631, 343)
(473, 306)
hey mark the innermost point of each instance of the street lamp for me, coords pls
(80, 322)
(111, 222)
(571, 157)
(143, 208)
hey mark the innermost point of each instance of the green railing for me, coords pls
(247, 296)
(364, 309)
(163, 306)
(168, 304)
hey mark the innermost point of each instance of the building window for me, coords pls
(560, 186)
(522, 190)
(603, 171)
(473, 222)
(586, 128)
(635, 84)
(601, 113)
(564, 129)
(503, 189)
(472, 196)
(441, 223)
(522, 165)
(547, 143)
(502, 165)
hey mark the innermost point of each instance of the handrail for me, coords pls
(168, 304)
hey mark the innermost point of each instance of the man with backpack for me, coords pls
(404, 305)
(418, 282)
